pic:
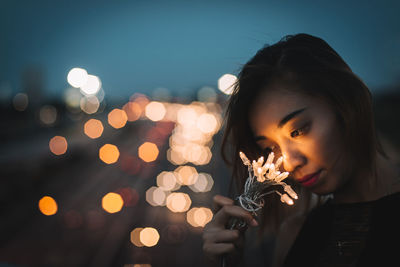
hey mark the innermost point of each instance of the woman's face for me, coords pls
(306, 132)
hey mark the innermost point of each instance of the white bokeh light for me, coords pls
(226, 83)
(77, 77)
(92, 85)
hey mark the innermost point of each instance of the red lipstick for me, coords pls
(310, 179)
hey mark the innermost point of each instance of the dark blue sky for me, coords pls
(139, 45)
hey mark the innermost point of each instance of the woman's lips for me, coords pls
(309, 180)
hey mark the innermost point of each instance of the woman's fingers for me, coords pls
(220, 201)
(228, 211)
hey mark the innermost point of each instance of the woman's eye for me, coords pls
(299, 132)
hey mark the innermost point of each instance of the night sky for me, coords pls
(138, 46)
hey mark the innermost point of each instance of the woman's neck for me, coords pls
(369, 186)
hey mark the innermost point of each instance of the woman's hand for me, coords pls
(217, 240)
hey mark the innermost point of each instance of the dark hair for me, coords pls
(309, 65)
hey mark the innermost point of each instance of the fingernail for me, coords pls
(254, 222)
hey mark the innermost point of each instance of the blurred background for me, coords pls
(111, 116)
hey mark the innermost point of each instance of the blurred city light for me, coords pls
(48, 114)
(226, 83)
(93, 128)
(161, 94)
(72, 98)
(186, 175)
(199, 217)
(130, 164)
(140, 99)
(175, 157)
(89, 104)
(178, 202)
(109, 154)
(92, 85)
(148, 152)
(155, 196)
(149, 237)
(58, 145)
(204, 183)
(187, 116)
(112, 202)
(20, 101)
(117, 118)
(77, 77)
(135, 237)
(207, 123)
(155, 111)
(48, 206)
(132, 110)
(207, 94)
(129, 195)
(167, 181)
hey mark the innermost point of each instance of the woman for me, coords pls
(299, 99)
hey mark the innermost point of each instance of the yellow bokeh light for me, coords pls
(167, 181)
(178, 202)
(93, 128)
(58, 145)
(135, 237)
(109, 153)
(117, 118)
(226, 83)
(204, 183)
(186, 175)
(112, 202)
(77, 77)
(148, 152)
(149, 237)
(199, 217)
(48, 206)
(133, 111)
(155, 111)
(89, 104)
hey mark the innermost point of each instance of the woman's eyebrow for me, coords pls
(282, 123)
(290, 116)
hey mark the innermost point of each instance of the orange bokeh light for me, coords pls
(109, 153)
(132, 110)
(117, 118)
(148, 152)
(186, 175)
(93, 128)
(48, 206)
(135, 237)
(112, 202)
(58, 145)
(199, 217)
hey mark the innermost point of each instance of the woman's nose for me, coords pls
(293, 159)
